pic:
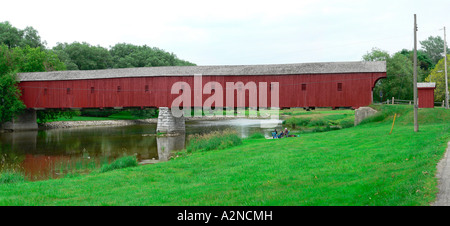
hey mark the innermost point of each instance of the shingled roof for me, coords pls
(229, 70)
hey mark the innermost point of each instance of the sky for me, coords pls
(237, 32)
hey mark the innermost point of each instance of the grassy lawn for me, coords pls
(362, 165)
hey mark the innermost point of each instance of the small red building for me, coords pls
(425, 94)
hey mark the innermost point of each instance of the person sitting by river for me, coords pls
(275, 134)
(281, 135)
(286, 132)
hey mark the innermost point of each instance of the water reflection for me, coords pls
(166, 145)
(53, 153)
(245, 127)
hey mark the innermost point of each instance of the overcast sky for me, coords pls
(237, 32)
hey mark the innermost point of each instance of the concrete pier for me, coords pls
(169, 124)
(25, 121)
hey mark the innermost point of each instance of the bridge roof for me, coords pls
(228, 70)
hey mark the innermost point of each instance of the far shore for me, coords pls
(71, 124)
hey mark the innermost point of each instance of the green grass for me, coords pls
(124, 162)
(301, 111)
(362, 165)
(7, 177)
(122, 115)
(320, 120)
(212, 141)
(256, 136)
(78, 167)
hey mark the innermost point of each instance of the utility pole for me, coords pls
(445, 69)
(416, 125)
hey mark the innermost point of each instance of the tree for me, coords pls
(14, 60)
(437, 75)
(13, 37)
(434, 47)
(9, 35)
(84, 56)
(376, 55)
(65, 58)
(29, 59)
(30, 37)
(10, 103)
(424, 63)
(399, 71)
(399, 81)
(128, 55)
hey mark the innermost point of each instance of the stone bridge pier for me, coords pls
(24, 121)
(169, 124)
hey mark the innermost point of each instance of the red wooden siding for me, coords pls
(319, 90)
(426, 97)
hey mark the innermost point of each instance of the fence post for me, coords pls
(442, 103)
(392, 100)
(387, 101)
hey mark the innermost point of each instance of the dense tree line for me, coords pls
(83, 56)
(399, 70)
(24, 51)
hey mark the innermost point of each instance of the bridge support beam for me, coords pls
(25, 121)
(169, 124)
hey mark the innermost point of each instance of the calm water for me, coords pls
(53, 153)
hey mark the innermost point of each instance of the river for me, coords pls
(54, 153)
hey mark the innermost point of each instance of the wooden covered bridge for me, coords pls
(309, 85)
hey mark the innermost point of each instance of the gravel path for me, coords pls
(443, 175)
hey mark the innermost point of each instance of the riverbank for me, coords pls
(358, 166)
(86, 123)
(125, 118)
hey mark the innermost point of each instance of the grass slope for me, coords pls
(363, 165)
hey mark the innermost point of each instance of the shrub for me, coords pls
(317, 122)
(256, 136)
(98, 112)
(325, 129)
(214, 140)
(145, 113)
(347, 123)
(124, 162)
(53, 114)
(294, 121)
(8, 177)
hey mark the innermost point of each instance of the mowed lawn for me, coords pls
(362, 165)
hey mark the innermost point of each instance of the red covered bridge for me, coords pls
(338, 84)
